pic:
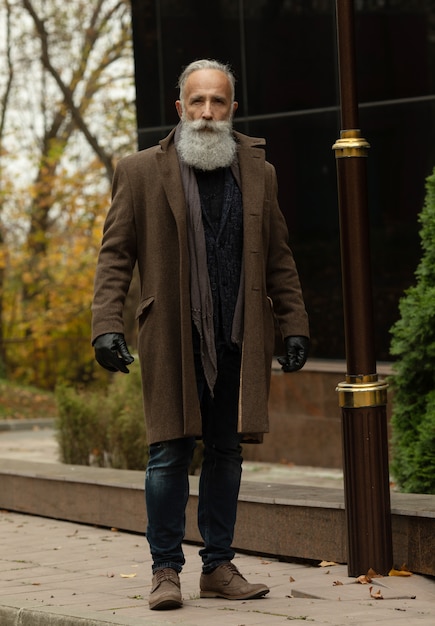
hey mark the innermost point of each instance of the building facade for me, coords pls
(284, 56)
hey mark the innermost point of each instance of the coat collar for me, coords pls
(245, 141)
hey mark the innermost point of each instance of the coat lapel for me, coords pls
(167, 161)
(251, 163)
(170, 174)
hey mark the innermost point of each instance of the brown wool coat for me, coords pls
(146, 224)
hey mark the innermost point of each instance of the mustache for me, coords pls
(217, 127)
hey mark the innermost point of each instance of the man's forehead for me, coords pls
(208, 79)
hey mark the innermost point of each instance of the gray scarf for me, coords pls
(200, 292)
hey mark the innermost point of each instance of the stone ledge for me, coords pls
(26, 424)
(291, 522)
(305, 417)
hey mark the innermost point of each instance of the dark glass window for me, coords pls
(284, 56)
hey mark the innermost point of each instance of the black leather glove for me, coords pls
(112, 353)
(296, 353)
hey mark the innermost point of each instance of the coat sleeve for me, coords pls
(116, 258)
(282, 278)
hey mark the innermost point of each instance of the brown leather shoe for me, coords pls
(165, 591)
(227, 582)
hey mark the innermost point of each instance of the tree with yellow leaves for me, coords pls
(69, 116)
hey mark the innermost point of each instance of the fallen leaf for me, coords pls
(363, 580)
(377, 595)
(291, 579)
(337, 583)
(326, 563)
(372, 574)
(403, 571)
(128, 575)
(397, 572)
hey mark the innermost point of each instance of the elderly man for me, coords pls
(199, 215)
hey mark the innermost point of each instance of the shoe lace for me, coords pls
(166, 573)
(233, 569)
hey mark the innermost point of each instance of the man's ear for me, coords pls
(179, 108)
(235, 106)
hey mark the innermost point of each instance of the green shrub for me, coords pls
(413, 383)
(106, 427)
(81, 427)
(126, 432)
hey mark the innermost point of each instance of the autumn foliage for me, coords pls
(66, 117)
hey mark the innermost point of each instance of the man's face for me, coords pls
(207, 96)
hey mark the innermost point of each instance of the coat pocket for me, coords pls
(277, 335)
(144, 307)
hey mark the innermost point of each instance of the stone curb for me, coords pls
(11, 425)
(61, 616)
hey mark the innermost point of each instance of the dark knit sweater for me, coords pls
(221, 205)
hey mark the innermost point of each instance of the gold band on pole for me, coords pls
(350, 144)
(362, 392)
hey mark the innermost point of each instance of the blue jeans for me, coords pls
(167, 480)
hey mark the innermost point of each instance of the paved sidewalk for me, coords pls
(65, 574)
(56, 573)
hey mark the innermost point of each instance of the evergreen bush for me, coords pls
(413, 383)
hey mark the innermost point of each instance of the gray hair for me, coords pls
(206, 64)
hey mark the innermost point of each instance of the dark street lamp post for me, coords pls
(362, 397)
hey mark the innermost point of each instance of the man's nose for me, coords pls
(207, 113)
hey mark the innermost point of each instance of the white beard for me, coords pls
(206, 149)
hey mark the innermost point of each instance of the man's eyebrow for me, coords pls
(200, 96)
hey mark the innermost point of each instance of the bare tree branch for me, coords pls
(9, 80)
(91, 36)
(3, 113)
